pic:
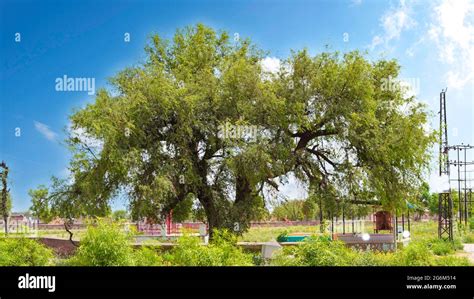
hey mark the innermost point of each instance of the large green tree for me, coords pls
(158, 136)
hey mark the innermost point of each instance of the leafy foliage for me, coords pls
(316, 252)
(468, 238)
(39, 206)
(322, 252)
(289, 210)
(440, 247)
(222, 251)
(452, 261)
(148, 256)
(24, 252)
(119, 215)
(104, 244)
(415, 254)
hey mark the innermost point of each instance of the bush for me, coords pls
(107, 245)
(458, 244)
(24, 252)
(103, 245)
(321, 252)
(469, 238)
(371, 258)
(147, 256)
(316, 252)
(415, 254)
(440, 247)
(222, 251)
(451, 261)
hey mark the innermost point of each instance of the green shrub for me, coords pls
(316, 252)
(468, 238)
(322, 252)
(457, 244)
(24, 252)
(471, 223)
(222, 251)
(147, 256)
(451, 261)
(103, 245)
(440, 247)
(415, 254)
(372, 258)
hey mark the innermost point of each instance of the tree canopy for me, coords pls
(202, 119)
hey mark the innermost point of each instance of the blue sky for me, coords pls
(433, 41)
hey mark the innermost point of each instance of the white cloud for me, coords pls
(393, 22)
(45, 131)
(377, 40)
(270, 64)
(356, 2)
(457, 80)
(452, 30)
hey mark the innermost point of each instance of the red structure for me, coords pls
(383, 221)
(169, 222)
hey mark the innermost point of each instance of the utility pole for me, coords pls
(4, 195)
(445, 204)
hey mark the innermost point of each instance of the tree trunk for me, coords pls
(4, 195)
(214, 219)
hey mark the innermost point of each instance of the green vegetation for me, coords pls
(107, 245)
(39, 208)
(295, 210)
(20, 251)
(120, 215)
(222, 251)
(103, 245)
(321, 252)
(468, 237)
(148, 256)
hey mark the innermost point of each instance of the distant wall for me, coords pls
(283, 223)
(45, 226)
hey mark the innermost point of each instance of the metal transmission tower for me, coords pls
(445, 207)
(463, 180)
(443, 136)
